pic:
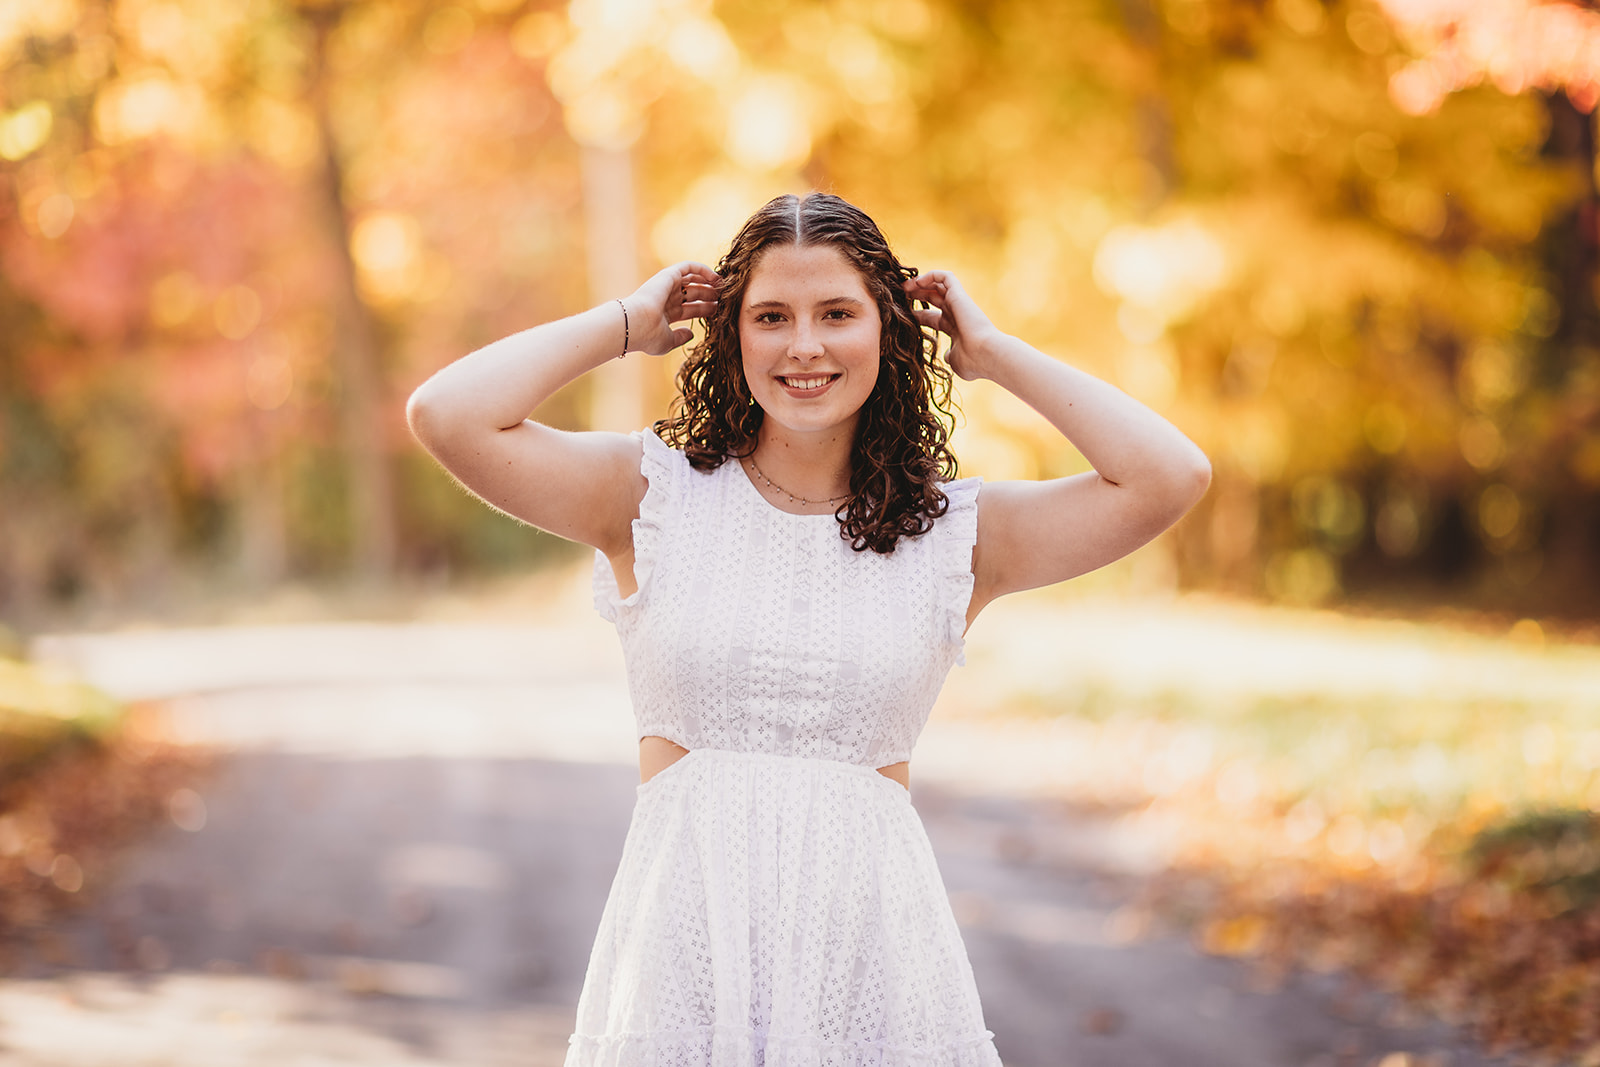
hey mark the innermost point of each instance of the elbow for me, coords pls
(424, 417)
(1198, 477)
(417, 412)
(1187, 482)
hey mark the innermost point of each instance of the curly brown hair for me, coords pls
(901, 450)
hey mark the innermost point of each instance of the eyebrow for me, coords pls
(830, 302)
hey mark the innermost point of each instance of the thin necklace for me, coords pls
(785, 492)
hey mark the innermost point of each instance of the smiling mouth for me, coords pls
(808, 384)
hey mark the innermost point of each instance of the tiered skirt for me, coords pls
(777, 911)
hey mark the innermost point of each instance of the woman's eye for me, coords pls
(838, 313)
(769, 316)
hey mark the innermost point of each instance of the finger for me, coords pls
(698, 274)
(692, 291)
(694, 309)
(930, 317)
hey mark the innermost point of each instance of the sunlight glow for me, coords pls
(387, 247)
(47, 18)
(866, 72)
(24, 130)
(1168, 269)
(1514, 46)
(702, 47)
(144, 106)
(699, 225)
(768, 125)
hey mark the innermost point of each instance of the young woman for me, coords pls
(791, 570)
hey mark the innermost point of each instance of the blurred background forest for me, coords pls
(1349, 247)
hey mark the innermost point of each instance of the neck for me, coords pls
(814, 466)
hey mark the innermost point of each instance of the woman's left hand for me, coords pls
(956, 315)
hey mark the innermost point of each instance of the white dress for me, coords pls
(777, 903)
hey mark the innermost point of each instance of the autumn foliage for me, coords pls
(1350, 248)
(1499, 931)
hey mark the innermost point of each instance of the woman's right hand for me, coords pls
(683, 291)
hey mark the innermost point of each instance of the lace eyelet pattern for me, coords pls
(777, 911)
(753, 629)
(777, 903)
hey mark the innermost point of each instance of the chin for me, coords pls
(812, 421)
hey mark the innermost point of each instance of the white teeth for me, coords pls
(806, 383)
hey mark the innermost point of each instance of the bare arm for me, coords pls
(472, 415)
(1146, 472)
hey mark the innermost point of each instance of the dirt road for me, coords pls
(406, 848)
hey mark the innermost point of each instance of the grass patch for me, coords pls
(42, 714)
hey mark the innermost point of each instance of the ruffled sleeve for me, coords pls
(662, 468)
(957, 533)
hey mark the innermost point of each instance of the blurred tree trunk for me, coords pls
(26, 555)
(37, 524)
(1572, 254)
(22, 563)
(263, 543)
(357, 357)
(1152, 120)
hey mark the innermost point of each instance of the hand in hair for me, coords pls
(955, 315)
(686, 290)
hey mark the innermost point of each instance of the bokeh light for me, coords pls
(1349, 255)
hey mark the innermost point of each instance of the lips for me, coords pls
(809, 383)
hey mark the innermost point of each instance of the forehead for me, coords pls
(804, 274)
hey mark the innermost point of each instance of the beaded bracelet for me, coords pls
(624, 308)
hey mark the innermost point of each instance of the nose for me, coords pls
(805, 343)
